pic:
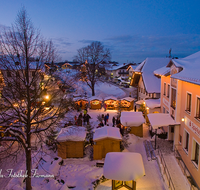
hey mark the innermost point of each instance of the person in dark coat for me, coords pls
(84, 119)
(105, 119)
(88, 119)
(113, 121)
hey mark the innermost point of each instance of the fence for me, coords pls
(186, 172)
(164, 171)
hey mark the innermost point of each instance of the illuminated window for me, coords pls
(188, 105)
(173, 98)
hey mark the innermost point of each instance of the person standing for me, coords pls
(105, 106)
(113, 121)
(105, 119)
(88, 119)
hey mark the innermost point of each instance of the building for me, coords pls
(180, 98)
(143, 77)
(124, 70)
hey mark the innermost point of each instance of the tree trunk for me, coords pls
(93, 93)
(28, 163)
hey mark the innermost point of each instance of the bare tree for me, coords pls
(30, 105)
(93, 58)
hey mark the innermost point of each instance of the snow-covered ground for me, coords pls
(80, 173)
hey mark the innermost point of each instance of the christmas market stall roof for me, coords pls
(139, 102)
(107, 132)
(110, 98)
(152, 103)
(129, 99)
(160, 119)
(72, 133)
(123, 166)
(95, 98)
(130, 119)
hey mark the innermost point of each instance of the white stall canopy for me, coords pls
(130, 119)
(161, 119)
(123, 166)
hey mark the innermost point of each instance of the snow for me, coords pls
(162, 71)
(110, 98)
(191, 67)
(164, 120)
(147, 68)
(107, 132)
(72, 133)
(139, 102)
(124, 166)
(130, 119)
(95, 98)
(129, 99)
(152, 103)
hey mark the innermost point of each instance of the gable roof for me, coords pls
(190, 68)
(147, 68)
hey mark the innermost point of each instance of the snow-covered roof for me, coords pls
(118, 66)
(110, 98)
(130, 119)
(160, 120)
(147, 68)
(72, 133)
(152, 103)
(162, 71)
(191, 67)
(124, 166)
(95, 98)
(129, 99)
(107, 132)
(80, 98)
(139, 102)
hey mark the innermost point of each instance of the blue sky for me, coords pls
(131, 29)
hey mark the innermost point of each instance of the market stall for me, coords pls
(106, 139)
(124, 169)
(95, 102)
(71, 142)
(134, 120)
(111, 103)
(127, 103)
(81, 102)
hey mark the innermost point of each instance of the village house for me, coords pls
(180, 98)
(144, 79)
(124, 70)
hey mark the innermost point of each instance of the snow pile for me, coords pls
(124, 166)
(152, 103)
(130, 119)
(72, 133)
(107, 132)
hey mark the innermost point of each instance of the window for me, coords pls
(195, 152)
(168, 89)
(163, 109)
(33, 73)
(180, 139)
(188, 104)
(198, 109)
(164, 89)
(139, 89)
(1, 80)
(186, 145)
(173, 98)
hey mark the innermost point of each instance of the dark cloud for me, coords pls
(137, 48)
(86, 41)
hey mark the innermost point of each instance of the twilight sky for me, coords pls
(131, 29)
